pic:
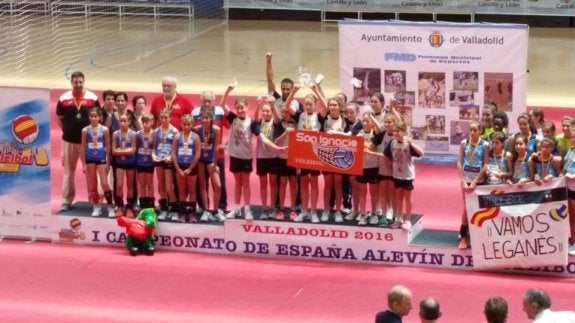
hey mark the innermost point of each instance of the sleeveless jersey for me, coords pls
(472, 160)
(145, 145)
(125, 142)
(164, 141)
(496, 165)
(185, 152)
(95, 147)
(207, 146)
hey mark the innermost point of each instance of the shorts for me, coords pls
(145, 169)
(370, 175)
(125, 166)
(284, 169)
(164, 165)
(238, 165)
(266, 166)
(309, 172)
(406, 184)
(385, 178)
(194, 171)
(96, 162)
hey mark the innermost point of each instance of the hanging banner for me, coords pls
(326, 152)
(24, 163)
(515, 7)
(519, 226)
(439, 75)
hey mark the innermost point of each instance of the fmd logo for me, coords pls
(400, 57)
(436, 39)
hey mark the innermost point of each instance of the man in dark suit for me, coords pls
(398, 305)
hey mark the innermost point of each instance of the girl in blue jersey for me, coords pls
(266, 157)
(209, 135)
(185, 154)
(144, 162)
(124, 143)
(96, 161)
(525, 126)
(473, 156)
(543, 166)
(569, 171)
(518, 162)
(496, 171)
(164, 167)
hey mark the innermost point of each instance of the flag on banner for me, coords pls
(518, 226)
(326, 152)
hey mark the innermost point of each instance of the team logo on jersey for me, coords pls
(435, 39)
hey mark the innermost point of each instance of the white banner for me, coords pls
(24, 162)
(515, 7)
(172, 236)
(519, 226)
(440, 74)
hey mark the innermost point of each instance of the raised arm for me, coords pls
(291, 97)
(322, 100)
(270, 74)
(223, 103)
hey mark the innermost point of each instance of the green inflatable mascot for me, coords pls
(140, 231)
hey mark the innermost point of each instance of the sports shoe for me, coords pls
(174, 216)
(346, 211)
(280, 215)
(361, 219)
(205, 216)
(314, 217)
(163, 215)
(193, 218)
(396, 224)
(571, 250)
(351, 216)
(65, 207)
(248, 214)
(374, 219)
(301, 217)
(338, 217)
(111, 212)
(385, 222)
(324, 216)
(293, 215)
(199, 210)
(182, 219)
(272, 214)
(264, 214)
(96, 211)
(379, 212)
(234, 213)
(220, 215)
(463, 244)
(406, 225)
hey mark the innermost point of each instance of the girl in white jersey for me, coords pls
(308, 121)
(266, 162)
(401, 150)
(240, 150)
(333, 123)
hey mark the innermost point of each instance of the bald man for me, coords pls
(171, 99)
(398, 305)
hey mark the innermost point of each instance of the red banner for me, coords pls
(326, 152)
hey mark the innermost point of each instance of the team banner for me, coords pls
(326, 152)
(24, 163)
(519, 227)
(439, 74)
(522, 7)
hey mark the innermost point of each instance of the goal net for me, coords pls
(44, 41)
